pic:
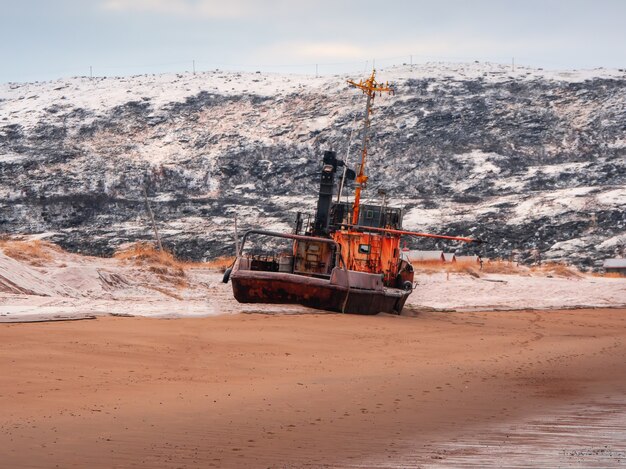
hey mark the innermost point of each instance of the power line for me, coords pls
(306, 68)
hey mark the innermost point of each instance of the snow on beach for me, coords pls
(59, 285)
(511, 292)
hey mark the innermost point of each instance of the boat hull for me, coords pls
(285, 288)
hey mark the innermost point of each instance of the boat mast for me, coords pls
(370, 87)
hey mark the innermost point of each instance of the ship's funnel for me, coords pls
(327, 183)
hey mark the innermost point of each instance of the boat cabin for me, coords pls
(375, 216)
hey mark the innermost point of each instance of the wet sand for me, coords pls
(313, 390)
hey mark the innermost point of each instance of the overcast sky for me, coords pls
(46, 39)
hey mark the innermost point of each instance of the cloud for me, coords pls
(286, 10)
(211, 9)
(315, 50)
(349, 51)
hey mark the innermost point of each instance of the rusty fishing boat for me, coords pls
(348, 259)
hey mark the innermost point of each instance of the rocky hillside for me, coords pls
(532, 161)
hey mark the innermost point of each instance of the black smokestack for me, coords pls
(327, 183)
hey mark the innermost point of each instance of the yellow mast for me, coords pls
(370, 87)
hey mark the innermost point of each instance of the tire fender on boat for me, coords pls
(226, 276)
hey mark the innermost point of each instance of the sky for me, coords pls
(49, 39)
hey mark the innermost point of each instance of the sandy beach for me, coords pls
(308, 390)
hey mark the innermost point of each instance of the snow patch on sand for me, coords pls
(509, 292)
(71, 286)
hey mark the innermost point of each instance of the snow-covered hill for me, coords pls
(532, 161)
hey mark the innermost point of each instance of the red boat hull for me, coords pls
(285, 288)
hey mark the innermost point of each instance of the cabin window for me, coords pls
(364, 248)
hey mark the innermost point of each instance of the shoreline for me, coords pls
(411, 310)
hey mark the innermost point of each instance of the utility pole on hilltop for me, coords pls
(513, 64)
(236, 238)
(193, 65)
(90, 72)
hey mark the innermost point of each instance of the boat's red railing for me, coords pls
(412, 233)
(299, 238)
(285, 235)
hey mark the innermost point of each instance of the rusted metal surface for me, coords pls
(371, 252)
(313, 257)
(357, 279)
(360, 291)
(282, 288)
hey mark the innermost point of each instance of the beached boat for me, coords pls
(347, 260)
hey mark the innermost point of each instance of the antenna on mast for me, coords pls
(369, 87)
